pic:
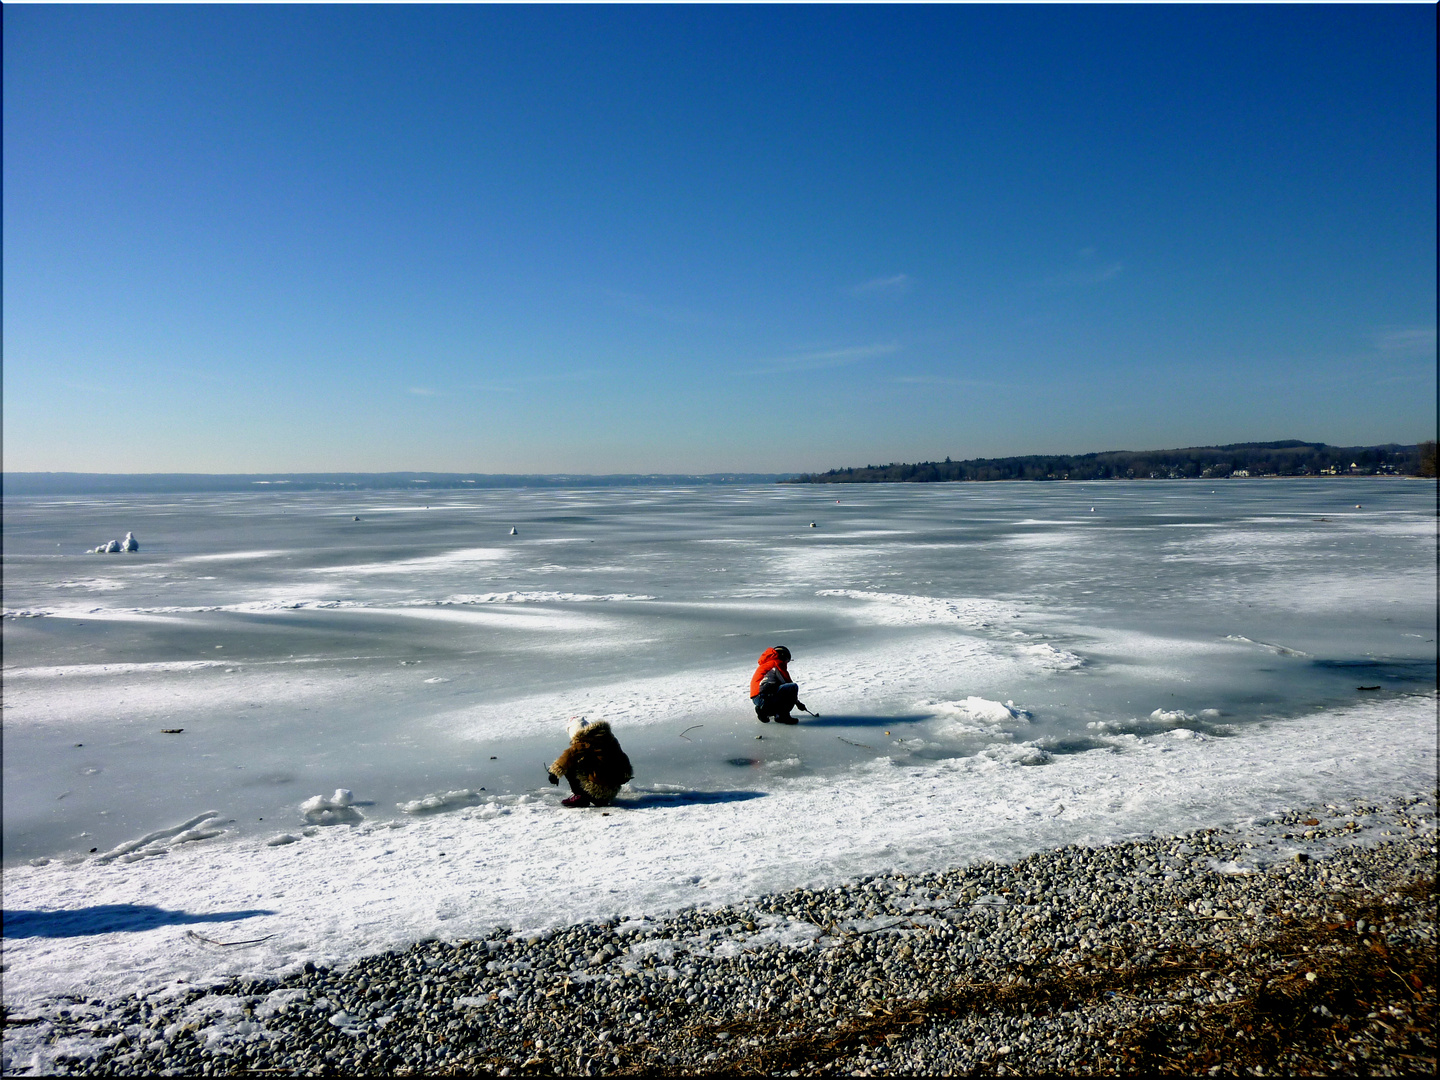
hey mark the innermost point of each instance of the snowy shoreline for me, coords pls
(348, 891)
(769, 970)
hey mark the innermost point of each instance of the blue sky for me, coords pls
(686, 239)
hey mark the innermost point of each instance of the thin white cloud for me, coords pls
(515, 384)
(1085, 271)
(883, 286)
(1409, 340)
(1088, 275)
(422, 391)
(637, 304)
(947, 380)
(819, 359)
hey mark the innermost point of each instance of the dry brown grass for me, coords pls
(1273, 1022)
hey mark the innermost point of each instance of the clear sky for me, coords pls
(616, 239)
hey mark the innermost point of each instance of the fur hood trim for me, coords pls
(577, 724)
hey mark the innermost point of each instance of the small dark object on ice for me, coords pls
(1367, 688)
(171, 730)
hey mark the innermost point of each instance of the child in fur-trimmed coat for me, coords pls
(593, 763)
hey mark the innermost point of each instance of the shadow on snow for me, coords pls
(645, 799)
(851, 720)
(109, 919)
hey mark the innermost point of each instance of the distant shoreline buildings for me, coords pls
(1288, 458)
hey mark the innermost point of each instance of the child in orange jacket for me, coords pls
(772, 691)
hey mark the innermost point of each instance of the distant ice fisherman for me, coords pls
(593, 763)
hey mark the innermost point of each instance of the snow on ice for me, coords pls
(996, 670)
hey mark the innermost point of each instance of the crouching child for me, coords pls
(593, 763)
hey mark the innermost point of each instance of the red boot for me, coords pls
(576, 800)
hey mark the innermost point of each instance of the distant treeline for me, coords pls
(1286, 458)
(59, 483)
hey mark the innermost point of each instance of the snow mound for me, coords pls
(1171, 716)
(983, 710)
(784, 763)
(1050, 657)
(336, 810)
(1159, 722)
(160, 841)
(445, 800)
(1279, 650)
(974, 716)
(111, 547)
(1019, 754)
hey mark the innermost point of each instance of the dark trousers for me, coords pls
(777, 701)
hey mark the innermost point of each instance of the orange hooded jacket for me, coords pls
(769, 659)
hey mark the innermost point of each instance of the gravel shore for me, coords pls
(1213, 952)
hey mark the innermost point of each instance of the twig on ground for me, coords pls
(226, 944)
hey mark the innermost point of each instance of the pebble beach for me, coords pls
(1180, 953)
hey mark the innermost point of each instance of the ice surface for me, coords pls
(996, 670)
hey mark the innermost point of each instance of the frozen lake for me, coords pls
(425, 649)
(998, 668)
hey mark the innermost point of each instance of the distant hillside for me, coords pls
(60, 483)
(1287, 458)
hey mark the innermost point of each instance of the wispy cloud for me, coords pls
(893, 285)
(1088, 275)
(1408, 340)
(949, 380)
(638, 304)
(819, 359)
(422, 391)
(518, 383)
(1087, 270)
